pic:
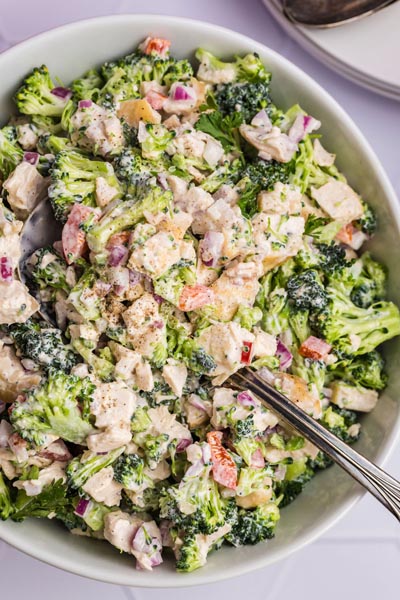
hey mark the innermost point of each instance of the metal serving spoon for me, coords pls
(331, 13)
(384, 487)
(41, 229)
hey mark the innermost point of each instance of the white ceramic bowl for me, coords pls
(70, 50)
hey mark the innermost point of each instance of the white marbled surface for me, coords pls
(357, 558)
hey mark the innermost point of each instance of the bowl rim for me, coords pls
(197, 577)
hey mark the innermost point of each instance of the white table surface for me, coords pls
(359, 557)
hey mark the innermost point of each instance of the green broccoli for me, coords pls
(297, 475)
(129, 471)
(170, 285)
(370, 284)
(254, 526)
(48, 269)
(87, 87)
(52, 499)
(305, 172)
(11, 153)
(83, 296)
(248, 317)
(256, 176)
(39, 96)
(246, 98)
(179, 70)
(101, 366)
(135, 173)
(6, 504)
(125, 215)
(208, 509)
(194, 549)
(156, 141)
(42, 344)
(82, 467)
(368, 222)
(366, 370)
(248, 68)
(306, 292)
(73, 179)
(322, 229)
(339, 421)
(54, 407)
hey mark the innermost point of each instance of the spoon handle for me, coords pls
(384, 487)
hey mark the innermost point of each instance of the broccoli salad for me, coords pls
(204, 229)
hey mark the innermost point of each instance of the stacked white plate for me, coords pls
(366, 51)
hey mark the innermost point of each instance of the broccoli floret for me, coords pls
(135, 173)
(332, 258)
(48, 270)
(74, 180)
(306, 292)
(42, 344)
(201, 493)
(83, 296)
(54, 407)
(156, 141)
(81, 468)
(314, 372)
(254, 526)
(87, 87)
(170, 285)
(366, 370)
(251, 479)
(11, 154)
(368, 222)
(54, 144)
(370, 284)
(194, 549)
(339, 421)
(322, 229)
(181, 70)
(248, 317)
(227, 173)
(341, 318)
(39, 96)
(276, 312)
(6, 505)
(125, 215)
(129, 471)
(101, 366)
(213, 70)
(297, 475)
(307, 173)
(196, 358)
(256, 176)
(246, 98)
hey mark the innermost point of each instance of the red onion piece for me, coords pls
(29, 364)
(134, 277)
(159, 324)
(62, 92)
(6, 269)
(5, 432)
(280, 473)
(158, 298)
(261, 119)
(284, 355)
(82, 507)
(117, 255)
(193, 470)
(120, 280)
(210, 248)
(245, 399)
(162, 180)
(302, 125)
(183, 444)
(181, 92)
(143, 545)
(85, 103)
(101, 288)
(31, 157)
(197, 402)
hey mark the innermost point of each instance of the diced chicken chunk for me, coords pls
(225, 342)
(112, 403)
(175, 374)
(97, 129)
(105, 192)
(339, 200)
(27, 138)
(102, 487)
(237, 286)
(283, 199)
(296, 389)
(120, 528)
(255, 498)
(277, 238)
(110, 438)
(354, 398)
(195, 200)
(179, 187)
(13, 377)
(175, 224)
(265, 344)
(156, 255)
(272, 144)
(321, 156)
(25, 187)
(144, 324)
(16, 304)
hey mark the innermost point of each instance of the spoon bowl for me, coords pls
(331, 13)
(40, 229)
